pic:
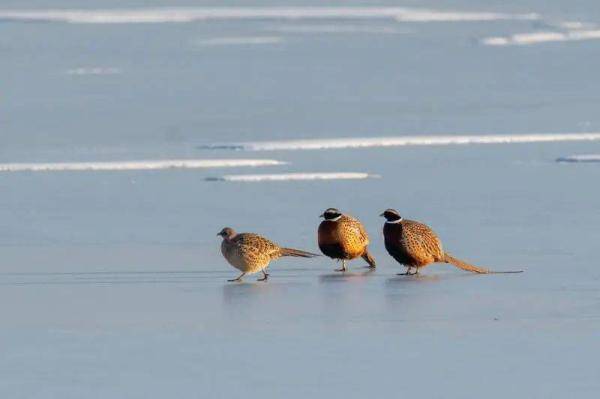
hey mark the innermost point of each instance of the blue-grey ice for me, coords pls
(118, 115)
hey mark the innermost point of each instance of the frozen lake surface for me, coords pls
(128, 143)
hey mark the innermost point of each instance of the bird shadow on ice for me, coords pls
(245, 287)
(425, 278)
(347, 276)
(248, 288)
(245, 291)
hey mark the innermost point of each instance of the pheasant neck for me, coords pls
(393, 221)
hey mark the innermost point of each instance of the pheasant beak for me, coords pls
(382, 214)
(322, 215)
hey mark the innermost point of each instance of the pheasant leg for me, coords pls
(265, 275)
(343, 269)
(239, 278)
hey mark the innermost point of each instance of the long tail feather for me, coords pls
(369, 258)
(471, 268)
(297, 252)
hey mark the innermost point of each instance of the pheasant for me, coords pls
(251, 253)
(344, 238)
(415, 245)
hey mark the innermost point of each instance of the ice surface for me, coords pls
(112, 285)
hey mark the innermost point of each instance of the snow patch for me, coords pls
(293, 177)
(525, 39)
(94, 71)
(365, 142)
(190, 14)
(136, 165)
(573, 25)
(335, 28)
(241, 40)
(580, 158)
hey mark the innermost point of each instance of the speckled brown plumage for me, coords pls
(251, 253)
(343, 237)
(415, 245)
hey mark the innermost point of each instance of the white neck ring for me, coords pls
(393, 222)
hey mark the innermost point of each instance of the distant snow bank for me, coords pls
(525, 39)
(575, 25)
(239, 40)
(94, 71)
(339, 143)
(190, 14)
(293, 177)
(340, 28)
(580, 158)
(135, 165)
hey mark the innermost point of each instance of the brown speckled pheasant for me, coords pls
(251, 253)
(415, 245)
(343, 237)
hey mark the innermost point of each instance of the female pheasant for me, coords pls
(343, 237)
(251, 253)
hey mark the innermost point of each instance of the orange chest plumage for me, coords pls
(337, 241)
